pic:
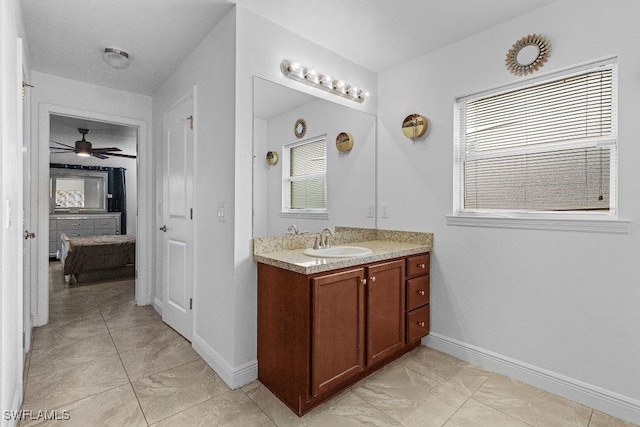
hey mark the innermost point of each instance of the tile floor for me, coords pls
(109, 362)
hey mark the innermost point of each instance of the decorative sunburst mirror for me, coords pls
(528, 54)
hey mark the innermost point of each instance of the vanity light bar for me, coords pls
(297, 72)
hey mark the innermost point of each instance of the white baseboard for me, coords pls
(234, 377)
(607, 401)
(157, 305)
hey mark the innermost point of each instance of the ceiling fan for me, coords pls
(83, 148)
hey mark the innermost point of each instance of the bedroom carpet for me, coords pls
(109, 362)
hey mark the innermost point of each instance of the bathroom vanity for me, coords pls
(324, 324)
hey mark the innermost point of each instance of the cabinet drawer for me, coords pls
(417, 292)
(52, 247)
(53, 236)
(105, 223)
(417, 324)
(74, 224)
(418, 265)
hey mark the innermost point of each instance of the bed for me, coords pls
(95, 258)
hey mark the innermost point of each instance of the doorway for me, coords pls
(140, 219)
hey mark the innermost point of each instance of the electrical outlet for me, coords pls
(385, 210)
(370, 211)
(221, 217)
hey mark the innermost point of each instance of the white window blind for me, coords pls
(548, 146)
(305, 183)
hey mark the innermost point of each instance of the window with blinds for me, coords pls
(548, 146)
(305, 183)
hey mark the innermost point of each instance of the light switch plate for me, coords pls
(385, 210)
(221, 216)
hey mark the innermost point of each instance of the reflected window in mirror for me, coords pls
(305, 176)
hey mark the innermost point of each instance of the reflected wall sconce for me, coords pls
(272, 158)
(344, 142)
(311, 77)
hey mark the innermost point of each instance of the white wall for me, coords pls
(127, 146)
(211, 68)
(350, 175)
(261, 45)
(565, 302)
(11, 292)
(60, 95)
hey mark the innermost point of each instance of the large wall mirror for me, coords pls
(349, 177)
(73, 190)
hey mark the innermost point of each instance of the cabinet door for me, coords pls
(337, 329)
(385, 310)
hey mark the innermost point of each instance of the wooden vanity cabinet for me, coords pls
(320, 333)
(418, 297)
(385, 310)
(337, 329)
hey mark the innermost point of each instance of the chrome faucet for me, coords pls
(324, 238)
(292, 229)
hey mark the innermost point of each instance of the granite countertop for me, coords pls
(384, 244)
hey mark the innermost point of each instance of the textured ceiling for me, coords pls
(379, 34)
(66, 37)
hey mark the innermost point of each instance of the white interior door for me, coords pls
(30, 248)
(177, 227)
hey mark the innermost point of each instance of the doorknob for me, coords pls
(163, 228)
(28, 235)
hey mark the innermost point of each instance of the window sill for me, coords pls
(305, 215)
(613, 226)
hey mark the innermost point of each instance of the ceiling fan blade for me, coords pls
(104, 150)
(128, 156)
(60, 143)
(99, 156)
(61, 149)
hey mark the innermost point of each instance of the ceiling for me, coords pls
(378, 34)
(66, 37)
(65, 130)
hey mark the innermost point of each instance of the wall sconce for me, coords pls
(297, 72)
(414, 126)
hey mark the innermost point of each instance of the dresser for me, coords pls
(74, 225)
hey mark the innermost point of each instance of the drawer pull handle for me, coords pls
(421, 292)
(364, 281)
(373, 278)
(74, 225)
(421, 324)
(422, 265)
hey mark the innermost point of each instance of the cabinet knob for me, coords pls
(421, 324)
(421, 265)
(421, 292)
(364, 281)
(373, 278)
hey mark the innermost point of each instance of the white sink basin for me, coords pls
(338, 252)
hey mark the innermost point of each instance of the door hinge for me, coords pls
(24, 339)
(190, 303)
(191, 213)
(190, 118)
